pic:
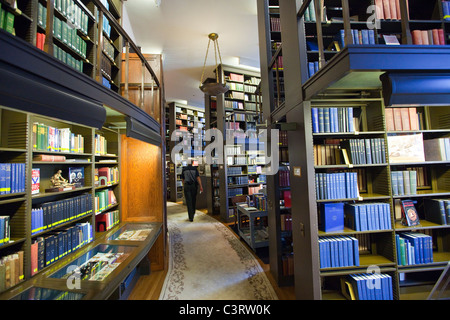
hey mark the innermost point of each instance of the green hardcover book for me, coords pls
(413, 181)
(40, 15)
(9, 23)
(402, 251)
(2, 18)
(57, 28)
(64, 31)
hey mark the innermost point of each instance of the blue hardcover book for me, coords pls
(371, 216)
(394, 183)
(355, 184)
(345, 251)
(352, 217)
(446, 9)
(315, 119)
(363, 217)
(311, 69)
(321, 120)
(397, 245)
(23, 176)
(13, 178)
(8, 178)
(321, 254)
(341, 251)
(447, 210)
(414, 241)
(390, 289)
(341, 38)
(365, 36)
(376, 217)
(370, 287)
(401, 188)
(355, 36)
(350, 125)
(355, 251)
(387, 208)
(368, 151)
(342, 185)
(332, 217)
(2, 230)
(347, 185)
(334, 259)
(350, 254)
(371, 36)
(358, 286)
(378, 286)
(326, 119)
(318, 196)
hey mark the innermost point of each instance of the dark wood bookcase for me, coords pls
(236, 110)
(356, 78)
(191, 120)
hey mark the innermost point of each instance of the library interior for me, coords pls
(225, 150)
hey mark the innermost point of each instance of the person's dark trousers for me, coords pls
(190, 194)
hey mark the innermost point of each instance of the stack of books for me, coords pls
(414, 248)
(338, 251)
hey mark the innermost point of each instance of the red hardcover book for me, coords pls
(441, 36)
(397, 6)
(393, 9)
(425, 39)
(34, 260)
(287, 198)
(398, 119)
(387, 9)
(100, 222)
(104, 176)
(417, 37)
(379, 10)
(413, 120)
(390, 119)
(405, 119)
(436, 37)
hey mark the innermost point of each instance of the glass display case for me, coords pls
(132, 232)
(96, 264)
(37, 293)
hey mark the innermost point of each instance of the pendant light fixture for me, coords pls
(210, 87)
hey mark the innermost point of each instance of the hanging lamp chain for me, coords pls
(214, 38)
(204, 63)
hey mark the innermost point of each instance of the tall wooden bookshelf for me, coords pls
(354, 79)
(233, 114)
(189, 119)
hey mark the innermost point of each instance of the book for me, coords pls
(35, 180)
(332, 217)
(338, 251)
(367, 286)
(436, 149)
(406, 148)
(410, 217)
(435, 211)
(414, 248)
(367, 217)
(76, 176)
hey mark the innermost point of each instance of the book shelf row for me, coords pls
(383, 146)
(54, 220)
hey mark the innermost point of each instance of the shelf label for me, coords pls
(297, 171)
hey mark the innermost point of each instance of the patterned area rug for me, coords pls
(208, 262)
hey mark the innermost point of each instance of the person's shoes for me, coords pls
(191, 220)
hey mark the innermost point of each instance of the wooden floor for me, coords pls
(149, 287)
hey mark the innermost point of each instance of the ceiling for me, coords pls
(179, 30)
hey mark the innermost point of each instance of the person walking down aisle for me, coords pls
(191, 179)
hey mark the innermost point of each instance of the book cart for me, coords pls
(365, 79)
